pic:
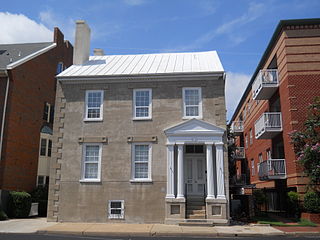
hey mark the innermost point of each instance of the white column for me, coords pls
(170, 171)
(220, 171)
(210, 183)
(180, 190)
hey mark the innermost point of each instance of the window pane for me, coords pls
(192, 111)
(141, 170)
(115, 204)
(94, 113)
(43, 147)
(198, 148)
(142, 112)
(192, 97)
(116, 211)
(91, 170)
(92, 153)
(49, 148)
(94, 99)
(141, 153)
(142, 98)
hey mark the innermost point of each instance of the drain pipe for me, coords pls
(4, 112)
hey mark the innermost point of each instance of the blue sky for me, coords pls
(239, 30)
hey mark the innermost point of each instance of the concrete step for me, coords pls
(196, 211)
(196, 207)
(195, 223)
(196, 216)
(195, 203)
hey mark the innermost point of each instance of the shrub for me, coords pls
(293, 204)
(40, 195)
(19, 204)
(259, 197)
(312, 202)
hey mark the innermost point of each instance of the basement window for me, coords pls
(116, 209)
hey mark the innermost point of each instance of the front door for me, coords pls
(195, 175)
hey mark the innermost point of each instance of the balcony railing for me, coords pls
(237, 127)
(239, 153)
(265, 84)
(272, 169)
(268, 125)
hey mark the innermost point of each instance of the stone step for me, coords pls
(196, 216)
(196, 211)
(196, 207)
(195, 203)
(192, 223)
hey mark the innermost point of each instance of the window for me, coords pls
(94, 105)
(91, 162)
(268, 153)
(141, 162)
(194, 149)
(49, 148)
(253, 172)
(116, 209)
(59, 67)
(246, 140)
(48, 112)
(142, 104)
(192, 103)
(42, 180)
(260, 158)
(251, 138)
(43, 147)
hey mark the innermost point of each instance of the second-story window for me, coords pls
(192, 103)
(94, 105)
(142, 104)
(48, 112)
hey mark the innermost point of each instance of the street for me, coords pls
(73, 237)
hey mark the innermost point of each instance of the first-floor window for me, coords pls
(141, 162)
(116, 209)
(91, 162)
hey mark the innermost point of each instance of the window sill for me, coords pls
(141, 119)
(90, 180)
(191, 117)
(141, 180)
(92, 119)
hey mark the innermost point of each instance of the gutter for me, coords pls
(4, 112)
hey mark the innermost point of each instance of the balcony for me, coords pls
(237, 127)
(268, 125)
(239, 153)
(265, 84)
(272, 169)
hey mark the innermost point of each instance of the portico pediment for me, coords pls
(194, 127)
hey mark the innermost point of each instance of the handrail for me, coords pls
(268, 121)
(272, 168)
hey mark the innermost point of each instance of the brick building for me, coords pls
(27, 96)
(286, 81)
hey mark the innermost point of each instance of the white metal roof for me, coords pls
(161, 63)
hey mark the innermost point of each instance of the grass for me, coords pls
(274, 222)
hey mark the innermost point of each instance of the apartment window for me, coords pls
(94, 105)
(141, 162)
(268, 153)
(251, 137)
(246, 140)
(59, 67)
(91, 162)
(43, 147)
(253, 171)
(192, 103)
(260, 158)
(116, 209)
(48, 112)
(142, 102)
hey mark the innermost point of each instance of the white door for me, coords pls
(195, 177)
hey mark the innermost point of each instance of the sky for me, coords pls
(239, 30)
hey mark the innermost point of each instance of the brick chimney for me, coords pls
(81, 43)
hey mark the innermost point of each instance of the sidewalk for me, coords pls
(24, 225)
(148, 230)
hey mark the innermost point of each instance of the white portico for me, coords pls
(209, 138)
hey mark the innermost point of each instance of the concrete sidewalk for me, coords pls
(148, 230)
(24, 225)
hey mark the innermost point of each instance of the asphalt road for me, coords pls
(70, 237)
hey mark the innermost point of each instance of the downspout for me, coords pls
(4, 112)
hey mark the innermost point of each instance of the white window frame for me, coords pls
(133, 147)
(101, 106)
(184, 103)
(253, 170)
(149, 107)
(83, 179)
(116, 216)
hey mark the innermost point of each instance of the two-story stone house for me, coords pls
(139, 138)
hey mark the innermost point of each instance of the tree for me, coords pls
(307, 143)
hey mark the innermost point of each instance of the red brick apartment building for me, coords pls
(27, 96)
(286, 81)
